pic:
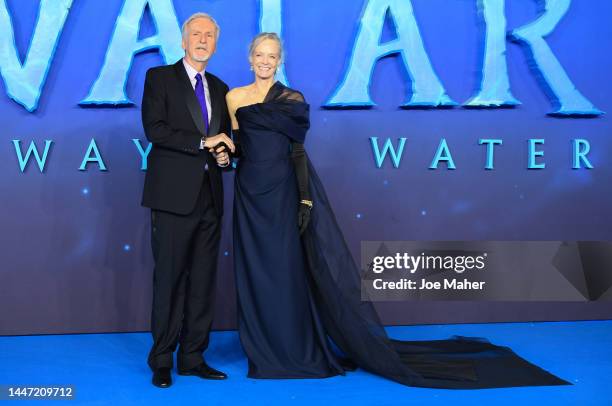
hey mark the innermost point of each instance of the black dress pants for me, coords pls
(185, 250)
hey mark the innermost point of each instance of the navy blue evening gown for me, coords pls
(298, 293)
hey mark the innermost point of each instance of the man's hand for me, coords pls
(222, 159)
(211, 143)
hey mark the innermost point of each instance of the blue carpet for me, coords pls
(111, 369)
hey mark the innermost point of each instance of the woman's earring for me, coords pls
(251, 67)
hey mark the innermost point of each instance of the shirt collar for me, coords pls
(191, 72)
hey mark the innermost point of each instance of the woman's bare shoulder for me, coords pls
(237, 93)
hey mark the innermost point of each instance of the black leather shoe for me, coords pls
(347, 364)
(162, 378)
(203, 371)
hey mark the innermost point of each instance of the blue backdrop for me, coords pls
(75, 243)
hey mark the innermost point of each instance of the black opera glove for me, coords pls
(298, 155)
(303, 217)
(238, 147)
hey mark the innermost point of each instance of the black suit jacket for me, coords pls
(173, 123)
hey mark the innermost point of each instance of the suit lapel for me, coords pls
(215, 104)
(190, 98)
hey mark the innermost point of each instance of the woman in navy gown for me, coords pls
(298, 286)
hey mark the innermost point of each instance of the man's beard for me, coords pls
(201, 58)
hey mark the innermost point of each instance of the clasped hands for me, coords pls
(218, 145)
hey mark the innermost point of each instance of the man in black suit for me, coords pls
(185, 117)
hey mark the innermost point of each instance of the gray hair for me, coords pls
(201, 15)
(261, 37)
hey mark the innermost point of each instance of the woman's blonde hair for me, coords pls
(261, 38)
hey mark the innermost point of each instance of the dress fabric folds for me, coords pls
(298, 293)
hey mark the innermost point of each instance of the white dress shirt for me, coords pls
(191, 73)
